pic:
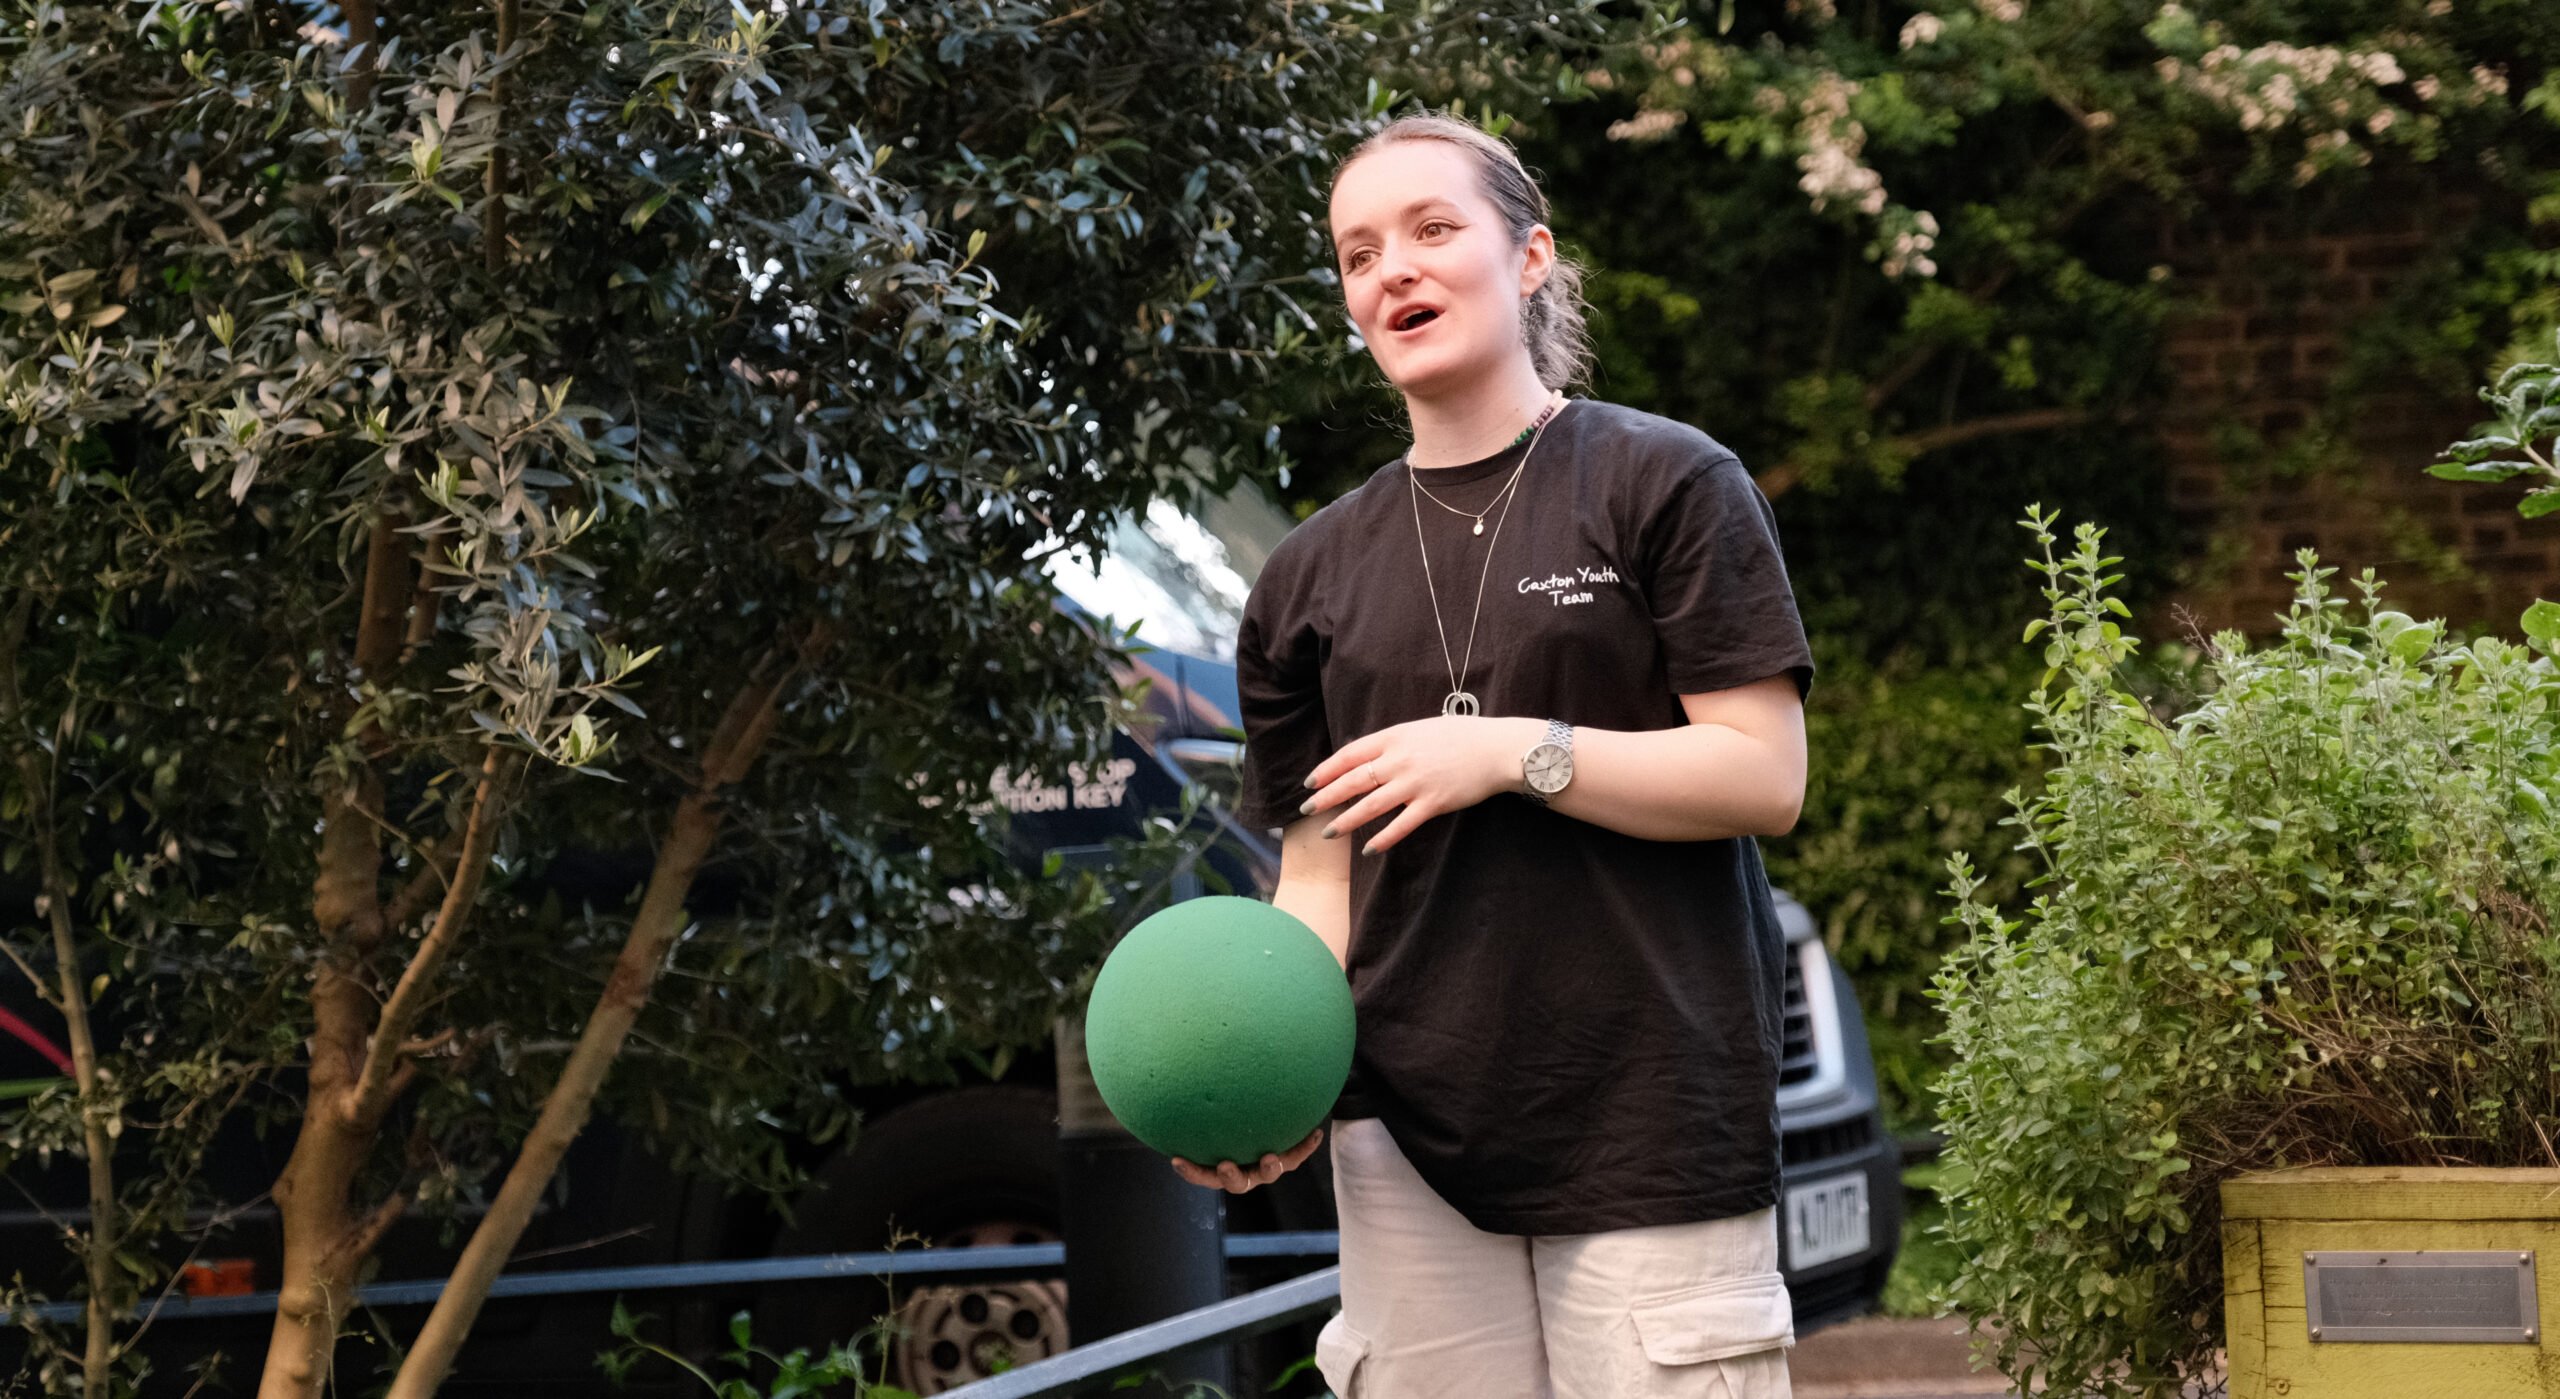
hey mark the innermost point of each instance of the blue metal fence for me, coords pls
(1090, 1368)
(940, 1264)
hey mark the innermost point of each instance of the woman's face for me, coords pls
(1429, 272)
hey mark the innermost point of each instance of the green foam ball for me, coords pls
(1220, 1029)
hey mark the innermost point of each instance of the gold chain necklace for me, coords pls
(1498, 496)
(1458, 701)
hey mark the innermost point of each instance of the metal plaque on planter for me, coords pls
(2446, 1297)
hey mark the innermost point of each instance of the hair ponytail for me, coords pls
(1551, 321)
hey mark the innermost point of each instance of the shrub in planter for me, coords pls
(2304, 922)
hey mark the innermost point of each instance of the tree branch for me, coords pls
(434, 872)
(363, 37)
(1784, 477)
(381, 1079)
(493, 224)
(366, 1235)
(1997, 425)
(422, 609)
(1908, 368)
(727, 758)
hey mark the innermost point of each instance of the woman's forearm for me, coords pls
(1702, 782)
(1736, 768)
(1315, 883)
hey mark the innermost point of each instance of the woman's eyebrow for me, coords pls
(1362, 230)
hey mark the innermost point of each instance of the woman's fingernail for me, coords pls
(1307, 807)
(1369, 849)
(1328, 832)
(1310, 780)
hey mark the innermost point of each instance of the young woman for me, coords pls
(1520, 703)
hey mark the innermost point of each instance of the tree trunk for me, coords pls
(70, 995)
(324, 1241)
(97, 1352)
(726, 759)
(325, 1238)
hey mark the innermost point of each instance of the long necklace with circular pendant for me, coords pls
(1458, 701)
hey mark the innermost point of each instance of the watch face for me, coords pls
(1548, 768)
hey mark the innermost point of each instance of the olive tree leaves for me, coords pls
(401, 437)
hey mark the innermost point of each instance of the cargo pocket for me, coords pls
(1725, 1340)
(1339, 1351)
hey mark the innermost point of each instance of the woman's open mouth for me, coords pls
(1418, 316)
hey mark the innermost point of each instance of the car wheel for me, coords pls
(971, 1167)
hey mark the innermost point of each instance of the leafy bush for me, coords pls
(2304, 922)
(2526, 399)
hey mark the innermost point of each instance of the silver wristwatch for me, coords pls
(1546, 769)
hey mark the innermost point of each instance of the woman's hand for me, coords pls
(1235, 1179)
(1429, 767)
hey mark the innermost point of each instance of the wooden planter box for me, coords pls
(2421, 1282)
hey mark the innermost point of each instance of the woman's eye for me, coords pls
(1434, 228)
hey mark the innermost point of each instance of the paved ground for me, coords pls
(1882, 1358)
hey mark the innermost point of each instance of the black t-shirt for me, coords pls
(1566, 1029)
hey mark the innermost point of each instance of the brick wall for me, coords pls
(2259, 360)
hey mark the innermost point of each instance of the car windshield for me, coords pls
(1182, 576)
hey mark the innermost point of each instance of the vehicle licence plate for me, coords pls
(1827, 1220)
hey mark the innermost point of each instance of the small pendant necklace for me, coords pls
(1498, 496)
(1458, 701)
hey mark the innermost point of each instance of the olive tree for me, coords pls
(449, 451)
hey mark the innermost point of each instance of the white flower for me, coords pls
(2381, 121)
(1923, 28)
(2099, 121)
(2379, 69)
(1646, 125)
(1832, 141)
(2490, 79)
(2427, 88)
(1911, 252)
(2005, 11)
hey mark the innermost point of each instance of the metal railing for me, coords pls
(940, 1264)
(1090, 1368)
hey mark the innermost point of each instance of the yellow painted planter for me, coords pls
(2339, 1217)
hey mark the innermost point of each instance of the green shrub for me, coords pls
(2303, 922)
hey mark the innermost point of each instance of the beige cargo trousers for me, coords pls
(1435, 1308)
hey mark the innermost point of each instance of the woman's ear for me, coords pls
(1537, 260)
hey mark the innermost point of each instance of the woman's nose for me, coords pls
(1395, 269)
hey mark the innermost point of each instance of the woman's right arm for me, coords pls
(1315, 888)
(1315, 883)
